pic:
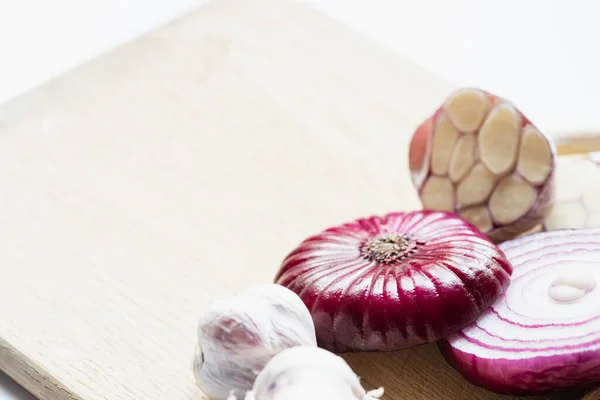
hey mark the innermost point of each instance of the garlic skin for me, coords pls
(305, 372)
(239, 335)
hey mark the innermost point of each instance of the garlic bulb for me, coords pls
(307, 372)
(239, 335)
(478, 156)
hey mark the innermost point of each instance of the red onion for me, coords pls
(480, 157)
(386, 283)
(544, 332)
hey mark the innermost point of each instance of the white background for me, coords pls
(544, 55)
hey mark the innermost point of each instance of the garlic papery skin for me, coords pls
(239, 335)
(303, 372)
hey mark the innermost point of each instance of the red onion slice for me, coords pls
(544, 333)
(386, 283)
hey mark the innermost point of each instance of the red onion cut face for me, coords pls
(477, 155)
(391, 282)
(543, 334)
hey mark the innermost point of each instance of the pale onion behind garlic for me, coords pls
(313, 373)
(577, 193)
(239, 335)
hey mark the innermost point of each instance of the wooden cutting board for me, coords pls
(182, 167)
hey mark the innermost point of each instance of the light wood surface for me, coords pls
(182, 167)
(577, 142)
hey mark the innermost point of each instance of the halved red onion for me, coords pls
(386, 283)
(544, 333)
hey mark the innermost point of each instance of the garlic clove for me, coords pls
(303, 372)
(239, 335)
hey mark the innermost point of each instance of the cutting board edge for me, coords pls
(31, 376)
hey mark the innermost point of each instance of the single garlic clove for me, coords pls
(303, 372)
(391, 282)
(313, 382)
(239, 335)
(478, 156)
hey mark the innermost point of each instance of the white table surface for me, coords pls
(541, 54)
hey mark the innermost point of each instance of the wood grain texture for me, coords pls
(182, 167)
(592, 395)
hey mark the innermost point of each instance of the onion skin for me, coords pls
(422, 159)
(525, 378)
(534, 345)
(451, 273)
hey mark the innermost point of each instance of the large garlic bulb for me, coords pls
(302, 373)
(239, 335)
